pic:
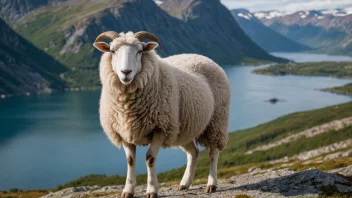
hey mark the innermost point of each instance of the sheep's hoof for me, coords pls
(126, 195)
(151, 195)
(210, 189)
(181, 187)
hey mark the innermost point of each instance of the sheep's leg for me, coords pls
(152, 181)
(192, 156)
(130, 150)
(212, 178)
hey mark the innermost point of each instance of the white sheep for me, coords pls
(165, 102)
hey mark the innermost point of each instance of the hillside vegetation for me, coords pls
(234, 161)
(345, 90)
(331, 69)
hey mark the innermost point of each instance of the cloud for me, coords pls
(287, 5)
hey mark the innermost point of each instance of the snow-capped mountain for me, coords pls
(319, 14)
(265, 37)
(269, 14)
(327, 30)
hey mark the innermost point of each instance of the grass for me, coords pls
(242, 196)
(325, 165)
(233, 161)
(345, 90)
(15, 193)
(331, 69)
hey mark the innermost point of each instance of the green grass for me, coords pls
(233, 161)
(345, 90)
(15, 193)
(331, 69)
(325, 165)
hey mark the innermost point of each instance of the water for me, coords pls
(47, 140)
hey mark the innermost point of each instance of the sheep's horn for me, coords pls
(143, 35)
(110, 35)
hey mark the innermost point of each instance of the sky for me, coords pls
(287, 5)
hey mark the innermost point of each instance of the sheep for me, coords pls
(178, 101)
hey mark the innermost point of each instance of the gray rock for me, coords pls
(346, 171)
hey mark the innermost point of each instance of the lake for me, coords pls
(47, 140)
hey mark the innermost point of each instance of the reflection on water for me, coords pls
(47, 140)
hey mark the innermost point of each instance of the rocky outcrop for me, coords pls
(267, 183)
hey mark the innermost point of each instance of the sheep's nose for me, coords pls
(126, 72)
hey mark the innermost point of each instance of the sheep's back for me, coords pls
(203, 86)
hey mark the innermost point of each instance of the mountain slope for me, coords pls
(213, 24)
(25, 68)
(68, 30)
(11, 10)
(329, 31)
(265, 37)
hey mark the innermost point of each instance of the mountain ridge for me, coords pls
(265, 37)
(326, 31)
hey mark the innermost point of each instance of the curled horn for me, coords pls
(143, 35)
(110, 35)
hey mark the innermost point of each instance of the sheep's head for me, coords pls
(127, 51)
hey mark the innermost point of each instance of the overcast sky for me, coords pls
(287, 5)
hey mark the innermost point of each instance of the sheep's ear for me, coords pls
(102, 46)
(149, 46)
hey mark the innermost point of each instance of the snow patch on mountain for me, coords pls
(304, 14)
(269, 14)
(247, 16)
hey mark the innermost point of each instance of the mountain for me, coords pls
(213, 24)
(265, 37)
(67, 30)
(11, 10)
(327, 30)
(25, 68)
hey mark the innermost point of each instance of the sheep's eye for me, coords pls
(140, 51)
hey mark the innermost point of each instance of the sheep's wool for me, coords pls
(184, 97)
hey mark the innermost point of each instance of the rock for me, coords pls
(254, 170)
(338, 155)
(270, 183)
(346, 171)
(273, 100)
